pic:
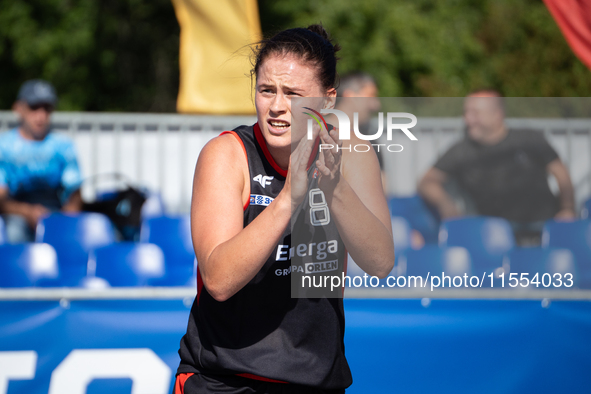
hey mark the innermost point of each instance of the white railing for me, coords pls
(159, 151)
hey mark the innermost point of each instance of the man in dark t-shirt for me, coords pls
(504, 172)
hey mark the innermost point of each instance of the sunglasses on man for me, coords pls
(46, 107)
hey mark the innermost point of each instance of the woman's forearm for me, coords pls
(232, 264)
(368, 240)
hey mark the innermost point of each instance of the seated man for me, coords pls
(504, 172)
(38, 169)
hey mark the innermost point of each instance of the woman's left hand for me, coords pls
(329, 162)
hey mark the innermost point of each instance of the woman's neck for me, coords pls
(281, 156)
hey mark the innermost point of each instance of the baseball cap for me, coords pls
(37, 91)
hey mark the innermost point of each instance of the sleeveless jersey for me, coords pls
(262, 332)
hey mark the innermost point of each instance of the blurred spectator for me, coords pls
(38, 169)
(358, 84)
(503, 172)
(363, 88)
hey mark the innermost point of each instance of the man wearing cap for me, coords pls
(38, 169)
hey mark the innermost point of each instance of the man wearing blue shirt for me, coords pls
(38, 169)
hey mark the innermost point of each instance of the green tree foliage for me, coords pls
(122, 55)
(107, 55)
(444, 48)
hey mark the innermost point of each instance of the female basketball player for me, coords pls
(246, 334)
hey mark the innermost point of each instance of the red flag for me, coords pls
(574, 19)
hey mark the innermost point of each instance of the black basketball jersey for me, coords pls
(262, 332)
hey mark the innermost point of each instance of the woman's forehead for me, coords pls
(287, 67)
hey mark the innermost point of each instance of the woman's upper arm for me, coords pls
(219, 193)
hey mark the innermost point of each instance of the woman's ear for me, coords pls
(330, 99)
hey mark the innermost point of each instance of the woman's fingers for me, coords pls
(301, 153)
(329, 163)
(332, 138)
(332, 156)
(324, 170)
(297, 173)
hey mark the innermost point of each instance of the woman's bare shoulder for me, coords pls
(223, 146)
(222, 163)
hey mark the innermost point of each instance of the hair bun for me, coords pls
(311, 44)
(321, 31)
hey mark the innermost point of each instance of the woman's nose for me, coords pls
(279, 103)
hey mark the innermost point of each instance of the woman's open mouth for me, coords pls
(278, 126)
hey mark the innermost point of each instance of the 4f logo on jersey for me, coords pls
(263, 180)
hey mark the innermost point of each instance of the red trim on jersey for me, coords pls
(238, 138)
(179, 384)
(256, 377)
(245, 154)
(263, 145)
(314, 152)
(199, 284)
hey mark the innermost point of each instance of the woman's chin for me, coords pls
(279, 144)
(277, 139)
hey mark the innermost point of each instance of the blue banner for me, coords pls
(446, 346)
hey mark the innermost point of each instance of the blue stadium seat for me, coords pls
(129, 264)
(73, 237)
(173, 236)
(24, 265)
(575, 236)
(153, 206)
(401, 232)
(418, 214)
(433, 260)
(3, 238)
(586, 211)
(179, 277)
(542, 261)
(487, 239)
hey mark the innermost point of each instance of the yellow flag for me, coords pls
(214, 60)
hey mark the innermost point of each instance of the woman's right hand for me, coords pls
(296, 183)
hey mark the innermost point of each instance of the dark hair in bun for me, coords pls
(311, 44)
